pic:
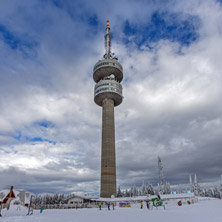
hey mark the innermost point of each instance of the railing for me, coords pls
(108, 62)
(65, 206)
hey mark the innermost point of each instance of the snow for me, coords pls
(3, 194)
(205, 210)
(15, 210)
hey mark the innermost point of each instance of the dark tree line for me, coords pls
(134, 191)
(47, 199)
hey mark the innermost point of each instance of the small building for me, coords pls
(76, 200)
(81, 201)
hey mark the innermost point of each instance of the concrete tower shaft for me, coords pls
(108, 73)
(108, 160)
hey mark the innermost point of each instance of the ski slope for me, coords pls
(203, 211)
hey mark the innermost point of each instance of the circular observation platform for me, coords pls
(108, 89)
(106, 67)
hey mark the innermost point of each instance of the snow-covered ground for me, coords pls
(203, 211)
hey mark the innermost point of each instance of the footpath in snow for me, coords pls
(203, 211)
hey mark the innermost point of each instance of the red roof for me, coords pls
(10, 195)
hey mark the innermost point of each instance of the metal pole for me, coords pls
(30, 206)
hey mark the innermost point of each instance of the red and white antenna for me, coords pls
(107, 23)
(107, 41)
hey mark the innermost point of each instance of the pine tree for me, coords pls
(119, 193)
(163, 186)
(197, 188)
(133, 191)
(220, 188)
(179, 189)
(150, 190)
(216, 192)
(209, 192)
(127, 193)
(143, 190)
(167, 188)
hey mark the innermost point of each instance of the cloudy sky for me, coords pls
(50, 127)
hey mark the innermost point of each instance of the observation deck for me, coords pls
(108, 88)
(106, 67)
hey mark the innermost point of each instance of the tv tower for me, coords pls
(108, 73)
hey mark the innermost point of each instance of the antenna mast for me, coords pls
(160, 167)
(107, 42)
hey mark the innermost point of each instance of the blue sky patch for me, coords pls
(45, 124)
(57, 3)
(172, 27)
(93, 24)
(26, 46)
(93, 21)
(39, 139)
(18, 136)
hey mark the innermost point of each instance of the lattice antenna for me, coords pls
(107, 37)
(160, 167)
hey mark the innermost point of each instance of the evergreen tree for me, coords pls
(119, 193)
(133, 191)
(143, 190)
(179, 189)
(216, 192)
(127, 193)
(163, 187)
(167, 188)
(197, 188)
(150, 190)
(209, 192)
